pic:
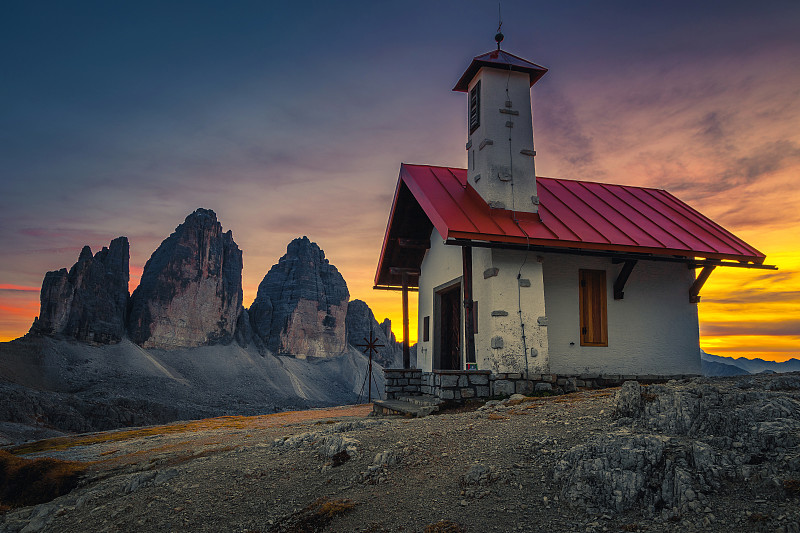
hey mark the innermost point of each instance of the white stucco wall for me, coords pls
(653, 330)
(500, 294)
(441, 265)
(495, 155)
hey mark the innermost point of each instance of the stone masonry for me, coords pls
(460, 385)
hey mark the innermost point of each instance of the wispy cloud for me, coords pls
(780, 328)
(17, 288)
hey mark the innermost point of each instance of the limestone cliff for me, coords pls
(191, 289)
(88, 302)
(301, 304)
(360, 320)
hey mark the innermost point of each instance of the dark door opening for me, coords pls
(450, 328)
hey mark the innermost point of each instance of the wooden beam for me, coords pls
(469, 321)
(393, 288)
(622, 279)
(417, 244)
(398, 271)
(406, 348)
(694, 290)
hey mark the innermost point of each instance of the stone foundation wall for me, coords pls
(457, 385)
(460, 385)
(402, 382)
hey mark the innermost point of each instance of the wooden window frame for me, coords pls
(593, 307)
(474, 116)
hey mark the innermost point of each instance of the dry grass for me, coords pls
(315, 517)
(26, 482)
(445, 526)
(217, 423)
(496, 416)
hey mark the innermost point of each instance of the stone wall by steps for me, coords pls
(460, 385)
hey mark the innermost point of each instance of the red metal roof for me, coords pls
(572, 214)
(502, 60)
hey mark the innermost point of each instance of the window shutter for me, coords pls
(475, 108)
(593, 308)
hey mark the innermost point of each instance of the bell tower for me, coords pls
(500, 150)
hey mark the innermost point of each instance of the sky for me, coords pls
(292, 118)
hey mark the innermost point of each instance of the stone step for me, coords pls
(425, 400)
(399, 407)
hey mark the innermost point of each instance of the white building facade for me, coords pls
(542, 279)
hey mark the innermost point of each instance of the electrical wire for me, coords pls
(527, 237)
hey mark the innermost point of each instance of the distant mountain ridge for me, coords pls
(717, 365)
(190, 295)
(182, 345)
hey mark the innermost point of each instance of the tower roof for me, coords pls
(499, 59)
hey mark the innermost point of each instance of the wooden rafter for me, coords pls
(694, 290)
(622, 279)
(417, 244)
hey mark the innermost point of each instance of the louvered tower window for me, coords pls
(594, 315)
(475, 108)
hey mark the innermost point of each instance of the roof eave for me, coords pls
(535, 72)
(498, 241)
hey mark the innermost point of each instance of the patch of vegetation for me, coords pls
(445, 526)
(315, 517)
(220, 422)
(26, 482)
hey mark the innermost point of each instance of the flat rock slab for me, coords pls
(399, 407)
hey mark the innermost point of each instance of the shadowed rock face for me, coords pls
(359, 321)
(89, 302)
(301, 304)
(191, 289)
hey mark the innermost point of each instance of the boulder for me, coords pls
(191, 289)
(301, 304)
(87, 303)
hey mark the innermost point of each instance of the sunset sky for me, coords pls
(292, 118)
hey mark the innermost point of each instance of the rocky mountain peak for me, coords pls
(88, 302)
(301, 304)
(191, 288)
(361, 322)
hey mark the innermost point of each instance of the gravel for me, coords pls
(587, 461)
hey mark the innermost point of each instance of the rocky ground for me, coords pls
(707, 454)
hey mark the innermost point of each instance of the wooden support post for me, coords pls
(622, 279)
(694, 290)
(469, 319)
(406, 348)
